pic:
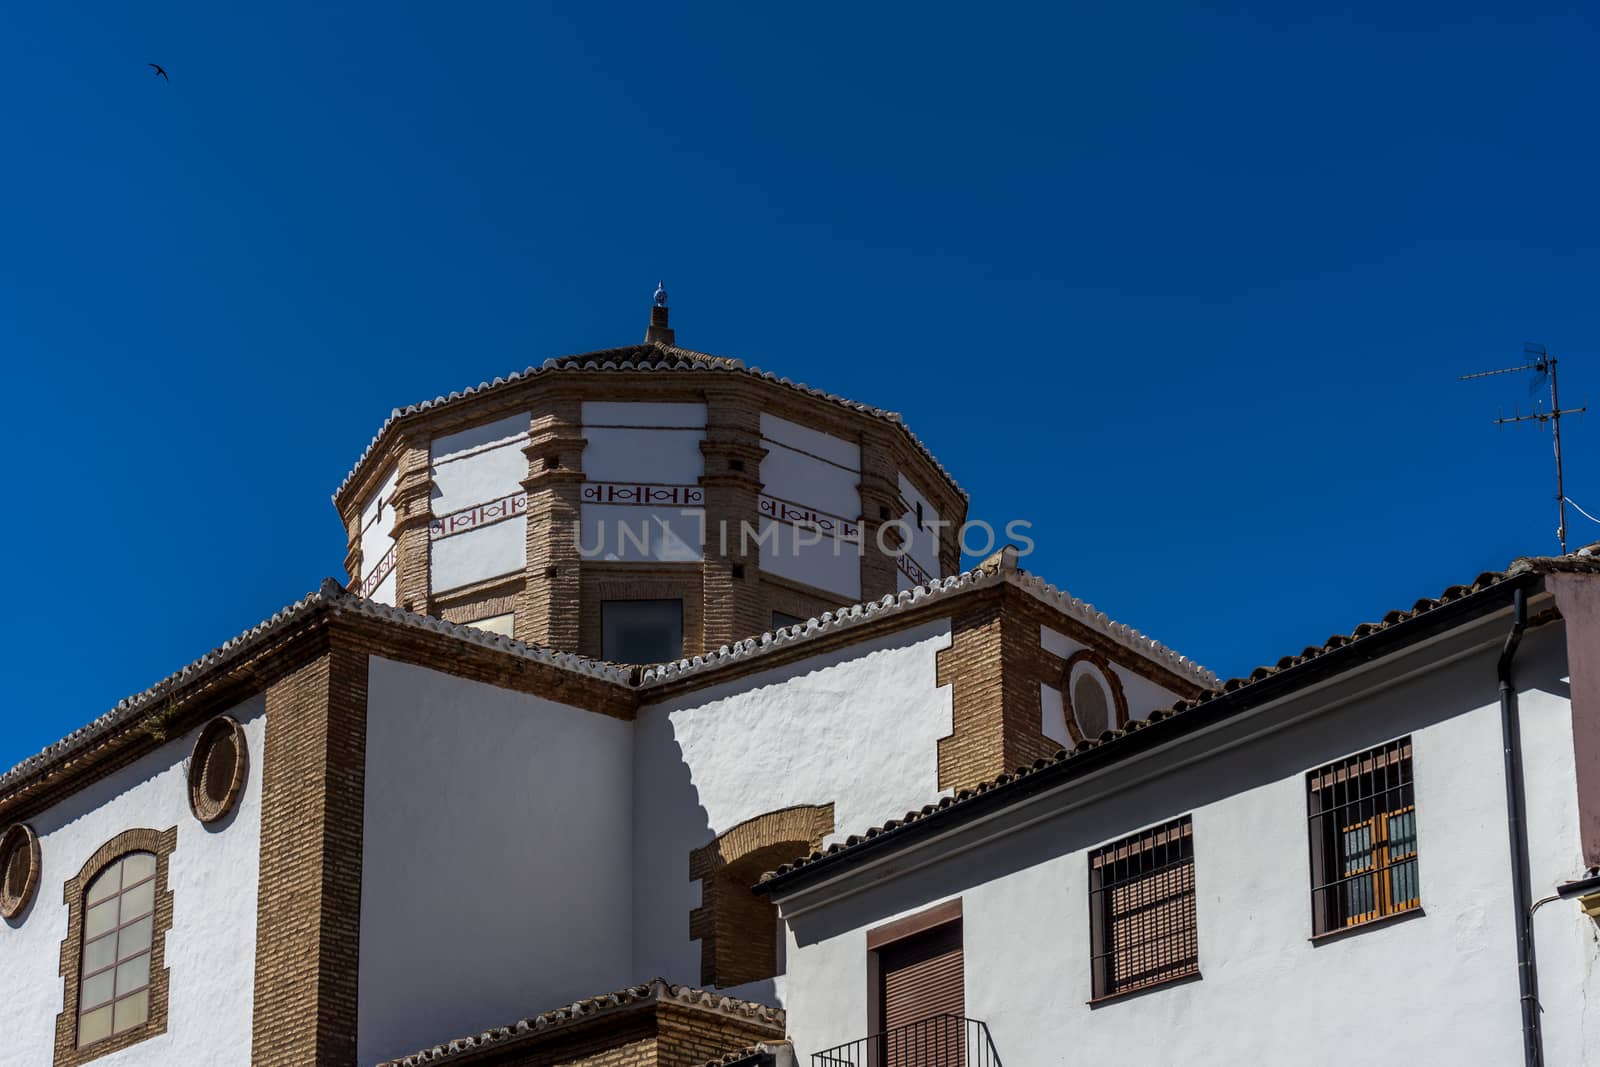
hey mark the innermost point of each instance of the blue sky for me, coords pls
(1188, 290)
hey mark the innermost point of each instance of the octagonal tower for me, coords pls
(644, 502)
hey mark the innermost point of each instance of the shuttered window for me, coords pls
(923, 998)
(1142, 910)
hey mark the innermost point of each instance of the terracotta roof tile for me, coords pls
(649, 356)
(1584, 561)
(656, 991)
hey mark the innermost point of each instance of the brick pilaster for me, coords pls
(547, 610)
(734, 608)
(308, 912)
(352, 554)
(413, 511)
(880, 504)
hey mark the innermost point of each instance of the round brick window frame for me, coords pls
(1093, 661)
(14, 899)
(214, 787)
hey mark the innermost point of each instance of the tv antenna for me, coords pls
(1542, 366)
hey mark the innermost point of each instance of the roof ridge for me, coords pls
(997, 568)
(1485, 581)
(336, 598)
(606, 359)
(657, 990)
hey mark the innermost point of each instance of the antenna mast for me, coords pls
(1541, 365)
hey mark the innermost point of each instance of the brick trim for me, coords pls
(162, 843)
(1113, 684)
(206, 808)
(308, 912)
(14, 900)
(737, 929)
(912, 925)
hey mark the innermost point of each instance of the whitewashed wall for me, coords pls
(377, 520)
(495, 875)
(858, 728)
(480, 466)
(806, 470)
(1144, 696)
(1437, 988)
(635, 449)
(210, 950)
(922, 547)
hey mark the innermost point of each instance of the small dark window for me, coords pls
(781, 619)
(738, 571)
(641, 631)
(736, 464)
(1363, 820)
(1142, 910)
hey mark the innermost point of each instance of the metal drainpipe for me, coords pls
(1511, 739)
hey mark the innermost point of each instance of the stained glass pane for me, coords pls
(100, 954)
(135, 938)
(107, 884)
(132, 1011)
(138, 901)
(100, 918)
(138, 867)
(133, 974)
(95, 1025)
(97, 990)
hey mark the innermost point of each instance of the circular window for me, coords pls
(1089, 704)
(19, 869)
(217, 769)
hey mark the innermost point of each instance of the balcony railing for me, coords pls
(937, 1041)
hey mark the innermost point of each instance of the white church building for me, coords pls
(655, 724)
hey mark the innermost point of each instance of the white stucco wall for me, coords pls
(807, 469)
(632, 446)
(377, 522)
(1436, 988)
(210, 950)
(496, 869)
(479, 465)
(923, 544)
(858, 728)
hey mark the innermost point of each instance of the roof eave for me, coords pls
(1030, 782)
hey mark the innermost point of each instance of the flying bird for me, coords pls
(159, 70)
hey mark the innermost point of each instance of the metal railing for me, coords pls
(937, 1041)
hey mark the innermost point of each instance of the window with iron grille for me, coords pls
(1363, 820)
(1142, 922)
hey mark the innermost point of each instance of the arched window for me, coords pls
(113, 961)
(118, 930)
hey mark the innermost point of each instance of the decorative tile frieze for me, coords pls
(478, 516)
(370, 583)
(913, 570)
(645, 494)
(800, 515)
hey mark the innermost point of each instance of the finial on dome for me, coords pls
(659, 332)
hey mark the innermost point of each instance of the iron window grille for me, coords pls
(1363, 836)
(1142, 923)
